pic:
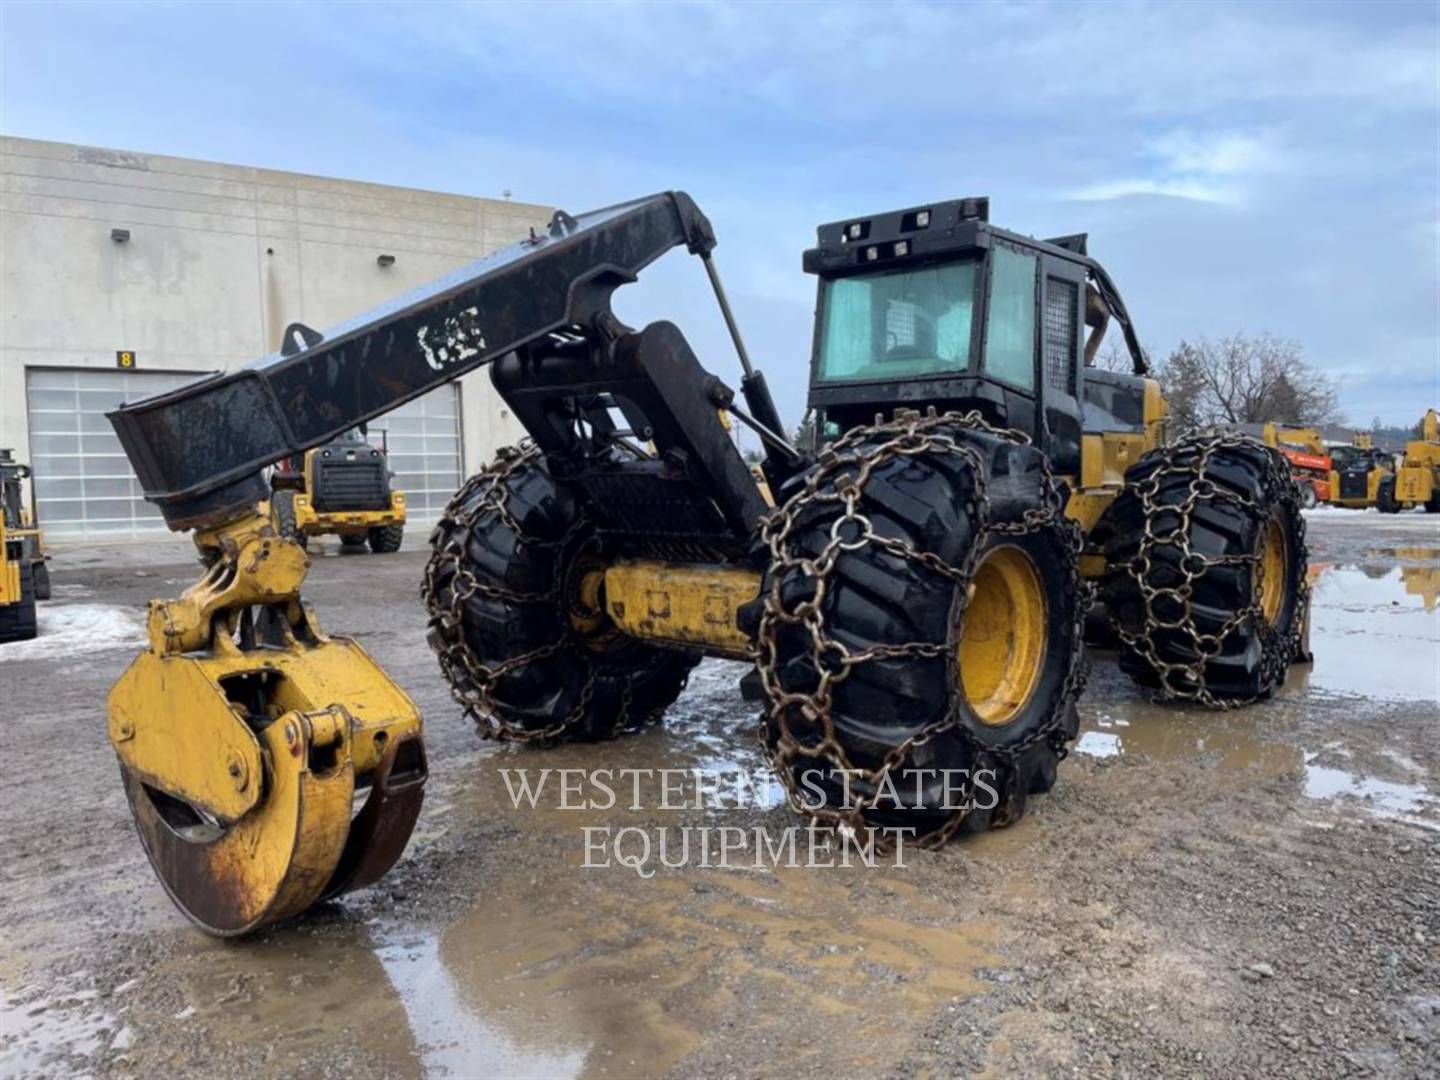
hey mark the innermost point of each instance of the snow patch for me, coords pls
(71, 629)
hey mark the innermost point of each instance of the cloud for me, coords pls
(1245, 167)
(1212, 167)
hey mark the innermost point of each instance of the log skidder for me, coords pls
(913, 607)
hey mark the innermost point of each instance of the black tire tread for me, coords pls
(1252, 660)
(630, 685)
(385, 539)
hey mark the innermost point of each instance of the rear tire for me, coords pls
(282, 509)
(384, 539)
(955, 688)
(1385, 496)
(17, 620)
(352, 540)
(501, 588)
(1233, 640)
(42, 580)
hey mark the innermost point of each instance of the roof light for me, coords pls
(922, 219)
(872, 253)
(902, 247)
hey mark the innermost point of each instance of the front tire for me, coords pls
(1385, 496)
(42, 580)
(385, 539)
(1308, 498)
(1206, 570)
(916, 629)
(525, 652)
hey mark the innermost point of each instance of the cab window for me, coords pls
(1010, 323)
(898, 324)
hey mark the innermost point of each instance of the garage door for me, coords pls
(424, 442)
(84, 484)
(83, 481)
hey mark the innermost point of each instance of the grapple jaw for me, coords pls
(243, 733)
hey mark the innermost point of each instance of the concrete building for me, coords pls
(191, 267)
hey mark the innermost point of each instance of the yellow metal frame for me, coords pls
(9, 570)
(279, 784)
(314, 522)
(1104, 460)
(683, 605)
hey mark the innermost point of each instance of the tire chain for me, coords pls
(840, 476)
(473, 681)
(1191, 456)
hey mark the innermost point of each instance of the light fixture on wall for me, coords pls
(120, 236)
(385, 260)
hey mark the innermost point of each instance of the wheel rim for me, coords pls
(1273, 570)
(1002, 647)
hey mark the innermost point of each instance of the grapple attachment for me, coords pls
(243, 734)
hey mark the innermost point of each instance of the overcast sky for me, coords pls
(1266, 167)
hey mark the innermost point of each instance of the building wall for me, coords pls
(220, 259)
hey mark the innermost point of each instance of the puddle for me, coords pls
(72, 629)
(1233, 742)
(1375, 631)
(38, 1034)
(451, 1039)
(1411, 803)
(625, 978)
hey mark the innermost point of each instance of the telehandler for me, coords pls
(912, 605)
(1309, 460)
(1416, 480)
(21, 519)
(24, 577)
(340, 489)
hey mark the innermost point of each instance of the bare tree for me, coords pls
(1113, 356)
(1246, 380)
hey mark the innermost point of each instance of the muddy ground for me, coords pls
(1210, 894)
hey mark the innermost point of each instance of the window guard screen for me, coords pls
(1061, 309)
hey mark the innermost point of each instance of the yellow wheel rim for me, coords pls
(1274, 570)
(1002, 649)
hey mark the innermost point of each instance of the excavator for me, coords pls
(912, 604)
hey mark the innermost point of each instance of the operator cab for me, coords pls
(935, 306)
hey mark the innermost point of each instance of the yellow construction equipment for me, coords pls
(1309, 459)
(1416, 480)
(242, 797)
(913, 596)
(340, 489)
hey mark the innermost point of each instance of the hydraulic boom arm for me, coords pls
(199, 450)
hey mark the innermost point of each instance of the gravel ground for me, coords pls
(1204, 894)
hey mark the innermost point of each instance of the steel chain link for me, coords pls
(1190, 458)
(474, 680)
(803, 720)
